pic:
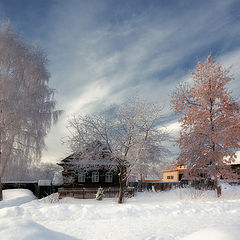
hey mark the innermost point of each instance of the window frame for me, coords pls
(109, 174)
(95, 177)
(80, 174)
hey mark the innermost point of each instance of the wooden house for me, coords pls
(93, 167)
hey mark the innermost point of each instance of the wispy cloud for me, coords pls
(100, 54)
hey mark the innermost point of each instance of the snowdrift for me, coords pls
(16, 197)
(180, 214)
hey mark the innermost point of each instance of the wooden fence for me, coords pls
(156, 186)
(90, 193)
(166, 186)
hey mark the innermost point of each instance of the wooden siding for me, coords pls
(88, 180)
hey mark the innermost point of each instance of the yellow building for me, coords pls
(174, 175)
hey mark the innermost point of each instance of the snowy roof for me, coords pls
(19, 182)
(44, 182)
(152, 178)
(94, 154)
(237, 160)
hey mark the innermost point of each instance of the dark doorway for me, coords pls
(180, 176)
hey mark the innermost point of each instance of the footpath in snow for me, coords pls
(180, 214)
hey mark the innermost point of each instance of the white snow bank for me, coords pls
(16, 197)
(230, 233)
(180, 214)
(24, 229)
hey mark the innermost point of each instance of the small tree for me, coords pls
(130, 132)
(210, 130)
(100, 194)
(26, 101)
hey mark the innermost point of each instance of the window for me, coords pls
(169, 177)
(109, 177)
(81, 176)
(95, 176)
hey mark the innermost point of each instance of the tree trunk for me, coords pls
(1, 194)
(1, 171)
(121, 186)
(3, 162)
(218, 187)
(121, 192)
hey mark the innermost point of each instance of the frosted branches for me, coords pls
(210, 122)
(130, 132)
(26, 102)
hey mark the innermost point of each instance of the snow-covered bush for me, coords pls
(57, 179)
(99, 194)
(53, 198)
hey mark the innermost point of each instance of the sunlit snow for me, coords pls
(181, 214)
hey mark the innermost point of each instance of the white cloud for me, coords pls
(95, 63)
(174, 128)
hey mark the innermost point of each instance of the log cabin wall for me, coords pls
(71, 178)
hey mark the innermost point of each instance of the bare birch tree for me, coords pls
(130, 132)
(26, 102)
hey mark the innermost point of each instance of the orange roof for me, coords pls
(175, 170)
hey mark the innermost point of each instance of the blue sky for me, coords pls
(102, 52)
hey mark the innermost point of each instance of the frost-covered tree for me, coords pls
(26, 102)
(130, 132)
(24, 171)
(210, 132)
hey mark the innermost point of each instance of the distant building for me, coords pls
(178, 173)
(174, 175)
(236, 169)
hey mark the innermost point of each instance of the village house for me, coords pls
(93, 167)
(179, 172)
(174, 175)
(86, 172)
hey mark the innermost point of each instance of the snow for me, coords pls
(180, 214)
(44, 182)
(237, 160)
(57, 179)
(225, 233)
(16, 197)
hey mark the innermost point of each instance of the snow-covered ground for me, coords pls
(181, 214)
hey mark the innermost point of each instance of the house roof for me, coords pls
(237, 160)
(94, 154)
(175, 170)
(44, 182)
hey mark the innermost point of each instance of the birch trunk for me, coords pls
(1, 166)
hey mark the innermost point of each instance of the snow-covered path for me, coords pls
(183, 214)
